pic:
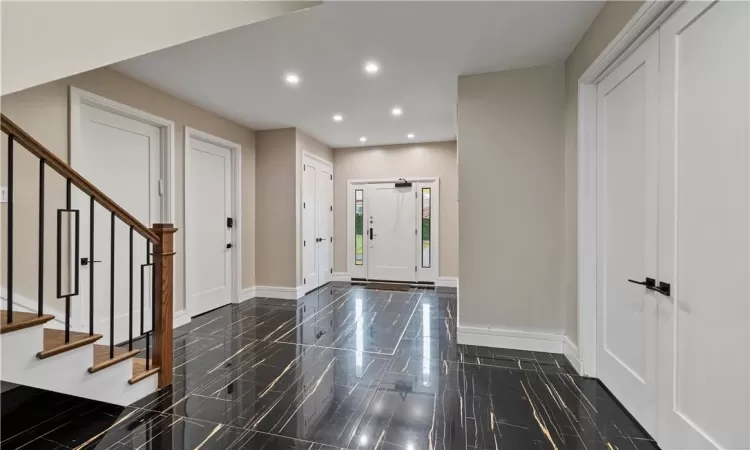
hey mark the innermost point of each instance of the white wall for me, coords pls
(49, 40)
(510, 185)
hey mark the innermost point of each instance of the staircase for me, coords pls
(44, 350)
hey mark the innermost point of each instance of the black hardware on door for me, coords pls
(230, 222)
(663, 289)
(370, 233)
(649, 283)
(86, 261)
(229, 245)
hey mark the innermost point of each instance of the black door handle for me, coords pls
(229, 245)
(86, 261)
(370, 233)
(649, 283)
(664, 289)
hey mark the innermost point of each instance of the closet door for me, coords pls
(627, 140)
(309, 228)
(324, 229)
(704, 228)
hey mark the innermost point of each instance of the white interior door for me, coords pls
(309, 228)
(627, 115)
(324, 209)
(121, 156)
(704, 327)
(392, 219)
(209, 239)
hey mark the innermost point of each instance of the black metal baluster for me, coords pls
(153, 312)
(91, 266)
(40, 271)
(112, 289)
(10, 229)
(59, 244)
(148, 334)
(130, 293)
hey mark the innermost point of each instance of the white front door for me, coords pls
(627, 116)
(122, 157)
(704, 228)
(209, 237)
(391, 228)
(309, 228)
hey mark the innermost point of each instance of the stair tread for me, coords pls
(102, 359)
(54, 342)
(22, 320)
(140, 372)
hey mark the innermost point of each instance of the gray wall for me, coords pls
(511, 180)
(436, 159)
(609, 22)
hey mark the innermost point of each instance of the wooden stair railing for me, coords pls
(160, 244)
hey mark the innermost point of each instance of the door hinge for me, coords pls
(304, 281)
(415, 194)
(161, 188)
(304, 167)
(415, 268)
(331, 269)
(304, 205)
(304, 243)
(331, 238)
(331, 207)
(331, 177)
(415, 232)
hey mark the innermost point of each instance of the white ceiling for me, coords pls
(422, 47)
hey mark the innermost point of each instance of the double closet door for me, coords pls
(673, 156)
(317, 222)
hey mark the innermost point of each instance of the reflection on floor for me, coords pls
(343, 367)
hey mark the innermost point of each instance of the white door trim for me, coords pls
(646, 20)
(236, 150)
(352, 184)
(78, 97)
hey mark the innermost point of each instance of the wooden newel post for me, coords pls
(163, 301)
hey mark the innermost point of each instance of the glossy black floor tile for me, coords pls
(343, 367)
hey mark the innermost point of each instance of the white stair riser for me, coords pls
(68, 372)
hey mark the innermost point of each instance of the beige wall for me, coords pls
(276, 217)
(511, 180)
(609, 22)
(43, 112)
(411, 160)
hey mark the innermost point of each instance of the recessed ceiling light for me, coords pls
(338, 117)
(372, 68)
(410, 135)
(292, 79)
(363, 139)
(397, 111)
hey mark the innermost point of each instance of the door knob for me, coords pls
(664, 289)
(86, 261)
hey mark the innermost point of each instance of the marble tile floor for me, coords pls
(343, 367)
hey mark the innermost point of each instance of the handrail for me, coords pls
(32, 145)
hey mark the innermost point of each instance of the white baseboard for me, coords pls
(341, 276)
(451, 282)
(300, 292)
(518, 340)
(181, 318)
(285, 293)
(246, 294)
(571, 353)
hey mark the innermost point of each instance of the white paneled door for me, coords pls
(391, 228)
(209, 235)
(704, 227)
(627, 120)
(673, 168)
(317, 222)
(121, 156)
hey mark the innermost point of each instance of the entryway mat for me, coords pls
(389, 286)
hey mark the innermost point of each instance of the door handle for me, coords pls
(371, 233)
(229, 245)
(649, 283)
(664, 289)
(86, 261)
